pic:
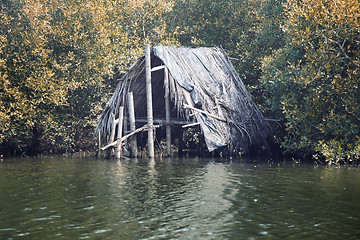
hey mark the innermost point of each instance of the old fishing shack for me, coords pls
(178, 88)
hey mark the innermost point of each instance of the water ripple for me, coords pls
(176, 199)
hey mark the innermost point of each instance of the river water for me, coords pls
(64, 198)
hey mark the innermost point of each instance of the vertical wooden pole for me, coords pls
(119, 133)
(112, 135)
(99, 144)
(132, 123)
(149, 102)
(113, 126)
(167, 112)
(125, 130)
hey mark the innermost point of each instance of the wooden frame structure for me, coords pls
(149, 127)
(200, 85)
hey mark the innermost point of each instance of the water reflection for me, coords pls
(175, 199)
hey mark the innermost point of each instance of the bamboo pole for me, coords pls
(190, 125)
(125, 130)
(163, 121)
(113, 126)
(119, 133)
(167, 112)
(149, 101)
(158, 68)
(99, 144)
(207, 113)
(132, 123)
(143, 128)
(112, 135)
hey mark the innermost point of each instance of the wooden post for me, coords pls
(125, 130)
(132, 123)
(167, 111)
(119, 133)
(113, 126)
(112, 135)
(99, 144)
(149, 101)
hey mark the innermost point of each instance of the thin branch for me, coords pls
(207, 113)
(340, 45)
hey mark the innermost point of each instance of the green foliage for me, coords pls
(313, 82)
(59, 61)
(56, 58)
(42, 67)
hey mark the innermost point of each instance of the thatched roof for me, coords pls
(203, 78)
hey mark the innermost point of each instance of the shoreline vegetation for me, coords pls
(61, 60)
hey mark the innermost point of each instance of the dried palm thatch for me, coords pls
(204, 88)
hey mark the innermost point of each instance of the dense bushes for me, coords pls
(56, 59)
(313, 81)
(59, 61)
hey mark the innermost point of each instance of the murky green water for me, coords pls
(60, 198)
